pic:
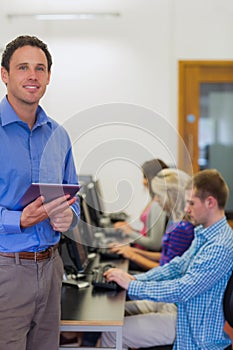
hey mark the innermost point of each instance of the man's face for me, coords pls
(196, 208)
(28, 76)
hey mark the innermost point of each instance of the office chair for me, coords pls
(227, 308)
(228, 302)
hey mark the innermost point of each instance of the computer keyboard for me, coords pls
(120, 216)
(106, 253)
(99, 281)
(113, 232)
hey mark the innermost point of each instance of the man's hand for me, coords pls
(120, 277)
(62, 221)
(58, 211)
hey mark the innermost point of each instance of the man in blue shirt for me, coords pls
(196, 281)
(34, 148)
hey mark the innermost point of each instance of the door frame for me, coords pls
(191, 74)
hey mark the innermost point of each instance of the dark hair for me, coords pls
(150, 169)
(209, 182)
(20, 41)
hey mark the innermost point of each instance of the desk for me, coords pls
(97, 311)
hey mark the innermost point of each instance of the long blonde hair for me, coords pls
(169, 185)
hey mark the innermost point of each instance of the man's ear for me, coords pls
(49, 76)
(211, 202)
(4, 75)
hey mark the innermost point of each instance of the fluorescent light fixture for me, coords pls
(63, 16)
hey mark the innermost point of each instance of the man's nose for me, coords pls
(187, 208)
(32, 73)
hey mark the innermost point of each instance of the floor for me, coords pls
(229, 331)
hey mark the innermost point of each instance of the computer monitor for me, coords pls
(99, 195)
(73, 252)
(98, 214)
(78, 251)
(91, 198)
(94, 198)
(85, 178)
(86, 227)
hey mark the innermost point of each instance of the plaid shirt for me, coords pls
(196, 282)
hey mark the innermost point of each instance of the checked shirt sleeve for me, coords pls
(174, 269)
(206, 267)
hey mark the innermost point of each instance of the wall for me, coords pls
(130, 61)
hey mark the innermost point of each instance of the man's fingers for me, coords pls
(59, 204)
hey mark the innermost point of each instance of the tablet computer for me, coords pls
(49, 191)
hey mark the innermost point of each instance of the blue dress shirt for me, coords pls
(196, 282)
(42, 154)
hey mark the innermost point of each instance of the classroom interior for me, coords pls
(118, 85)
(115, 81)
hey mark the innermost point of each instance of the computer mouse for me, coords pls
(109, 266)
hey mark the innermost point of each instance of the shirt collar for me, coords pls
(211, 231)
(9, 116)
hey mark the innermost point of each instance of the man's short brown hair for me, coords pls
(20, 41)
(209, 182)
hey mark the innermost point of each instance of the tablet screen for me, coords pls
(49, 191)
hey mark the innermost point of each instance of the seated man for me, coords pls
(196, 281)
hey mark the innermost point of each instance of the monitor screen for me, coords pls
(85, 223)
(91, 199)
(75, 256)
(85, 179)
(99, 196)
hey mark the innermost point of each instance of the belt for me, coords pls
(36, 256)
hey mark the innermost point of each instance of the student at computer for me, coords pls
(169, 186)
(179, 232)
(152, 216)
(196, 281)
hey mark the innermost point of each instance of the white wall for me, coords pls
(131, 60)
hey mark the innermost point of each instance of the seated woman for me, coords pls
(152, 217)
(179, 233)
(177, 238)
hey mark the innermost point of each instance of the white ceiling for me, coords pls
(122, 6)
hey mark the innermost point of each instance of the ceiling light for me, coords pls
(63, 16)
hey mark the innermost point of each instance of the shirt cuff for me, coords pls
(134, 289)
(11, 221)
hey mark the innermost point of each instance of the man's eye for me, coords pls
(23, 67)
(42, 69)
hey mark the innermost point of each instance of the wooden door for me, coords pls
(199, 83)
